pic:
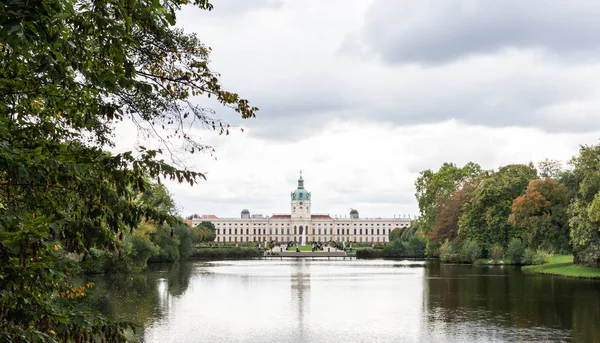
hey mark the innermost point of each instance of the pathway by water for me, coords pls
(351, 301)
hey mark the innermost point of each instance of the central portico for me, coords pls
(300, 210)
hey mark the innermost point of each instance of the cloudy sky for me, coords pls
(362, 95)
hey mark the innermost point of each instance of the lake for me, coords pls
(349, 301)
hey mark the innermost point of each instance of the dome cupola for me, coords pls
(245, 214)
(300, 193)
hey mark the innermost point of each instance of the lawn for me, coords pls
(301, 248)
(562, 265)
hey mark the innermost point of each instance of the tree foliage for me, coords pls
(542, 213)
(450, 209)
(550, 168)
(206, 232)
(485, 218)
(431, 187)
(584, 210)
(68, 71)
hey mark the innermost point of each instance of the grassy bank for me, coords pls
(225, 253)
(563, 266)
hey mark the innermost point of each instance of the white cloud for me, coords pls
(368, 167)
(362, 129)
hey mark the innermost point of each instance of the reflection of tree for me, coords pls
(178, 276)
(135, 297)
(505, 297)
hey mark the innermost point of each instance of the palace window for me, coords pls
(360, 232)
(235, 231)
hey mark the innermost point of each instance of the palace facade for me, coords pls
(301, 225)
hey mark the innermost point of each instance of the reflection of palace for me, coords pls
(301, 226)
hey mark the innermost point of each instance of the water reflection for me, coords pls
(350, 301)
(503, 304)
(300, 285)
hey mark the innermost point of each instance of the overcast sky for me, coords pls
(363, 95)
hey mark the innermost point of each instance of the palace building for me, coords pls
(301, 225)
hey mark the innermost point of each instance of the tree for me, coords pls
(485, 217)
(431, 187)
(450, 209)
(550, 168)
(206, 232)
(541, 212)
(69, 70)
(396, 233)
(584, 210)
(158, 196)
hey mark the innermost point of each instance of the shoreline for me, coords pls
(563, 265)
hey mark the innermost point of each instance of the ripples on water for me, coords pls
(352, 301)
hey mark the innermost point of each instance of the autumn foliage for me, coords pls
(541, 212)
(445, 226)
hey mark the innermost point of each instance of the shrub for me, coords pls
(535, 257)
(448, 252)
(433, 249)
(168, 245)
(496, 252)
(516, 250)
(97, 261)
(528, 256)
(470, 251)
(394, 249)
(140, 250)
(415, 247)
(541, 257)
(187, 236)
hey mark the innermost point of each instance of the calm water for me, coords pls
(350, 301)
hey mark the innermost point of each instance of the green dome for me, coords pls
(300, 194)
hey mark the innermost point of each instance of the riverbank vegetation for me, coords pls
(404, 242)
(562, 265)
(70, 71)
(517, 214)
